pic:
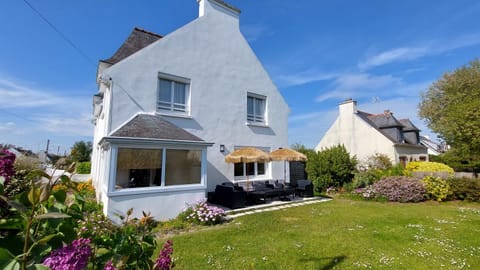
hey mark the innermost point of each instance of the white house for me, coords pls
(170, 108)
(364, 134)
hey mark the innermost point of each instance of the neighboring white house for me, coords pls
(170, 108)
(364, 134)
(434, 148)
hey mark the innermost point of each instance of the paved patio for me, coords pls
(272, 206)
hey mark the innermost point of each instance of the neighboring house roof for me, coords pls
(153, 127)
(389, 126)
(138, 39)
(408, 125)
(434, 148)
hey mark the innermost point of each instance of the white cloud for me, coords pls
(393, 55)
(21, 96)
(81, 126)
(309, 128)
(8, 126)
(433, 47)
(357, 85)
(303, 77)
(253, 32)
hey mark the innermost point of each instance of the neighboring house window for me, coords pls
(138, 167)
(249, 169)
(423, 158)
(403, 160)
(256, 107)
(173, 93)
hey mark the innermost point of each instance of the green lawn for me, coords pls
(340, 234)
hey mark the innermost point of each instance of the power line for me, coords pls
(17, 115)
(63, 36)
(78, 49)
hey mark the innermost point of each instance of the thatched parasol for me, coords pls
(286, 154)
(247, 154)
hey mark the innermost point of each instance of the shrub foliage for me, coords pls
(83, 167)
(467, 189)
(429, 167)
(400, 189)
(330, 167)
(437, 188)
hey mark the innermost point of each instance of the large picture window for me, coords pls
(256, 107)
(173, 95)
(152, 168)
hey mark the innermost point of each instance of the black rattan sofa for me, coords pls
(304, 188)
(228, 195)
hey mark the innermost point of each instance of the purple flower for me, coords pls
(164, 260)
(7, 159)
(109, 266)
(71, 257)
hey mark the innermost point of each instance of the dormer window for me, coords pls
(173, 94)
(256, 108)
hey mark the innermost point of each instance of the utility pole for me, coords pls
(48, 144)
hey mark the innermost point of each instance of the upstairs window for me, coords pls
(256, 107)
(173, 94)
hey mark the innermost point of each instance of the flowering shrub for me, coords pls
(74, 256)
(436, 187)
(164, 260)
(400, 189)
(204, 214)
(429, 167)
(7, 159)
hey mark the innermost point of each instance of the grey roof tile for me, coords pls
(136, 41)
(154, 127)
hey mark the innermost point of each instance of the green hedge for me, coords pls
(83, 167)
(467, 189)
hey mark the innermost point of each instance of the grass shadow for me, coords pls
(325, 263)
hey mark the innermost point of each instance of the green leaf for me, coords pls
(47, 238)
(45, 192)
(52, 215)
(34, 195)
(11, 224)
(39, 267)
(18, 206)
(7, 260)
(38, 174)
(65, 179)
(60, 195)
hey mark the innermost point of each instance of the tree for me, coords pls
(81, 151)
(450, 108)
(331, 167)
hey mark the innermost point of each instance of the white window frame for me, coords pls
(112, 191)
(254, 118)
(255, 175)
(172, 108)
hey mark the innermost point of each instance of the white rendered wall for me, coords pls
(164, 206)
(358, 137)
(213, 54)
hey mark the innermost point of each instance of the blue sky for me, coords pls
(381, 53)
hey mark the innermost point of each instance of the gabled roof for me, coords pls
(408, 125)
(136, 41)
(384, 120)
(389, 126)
(154, 127)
